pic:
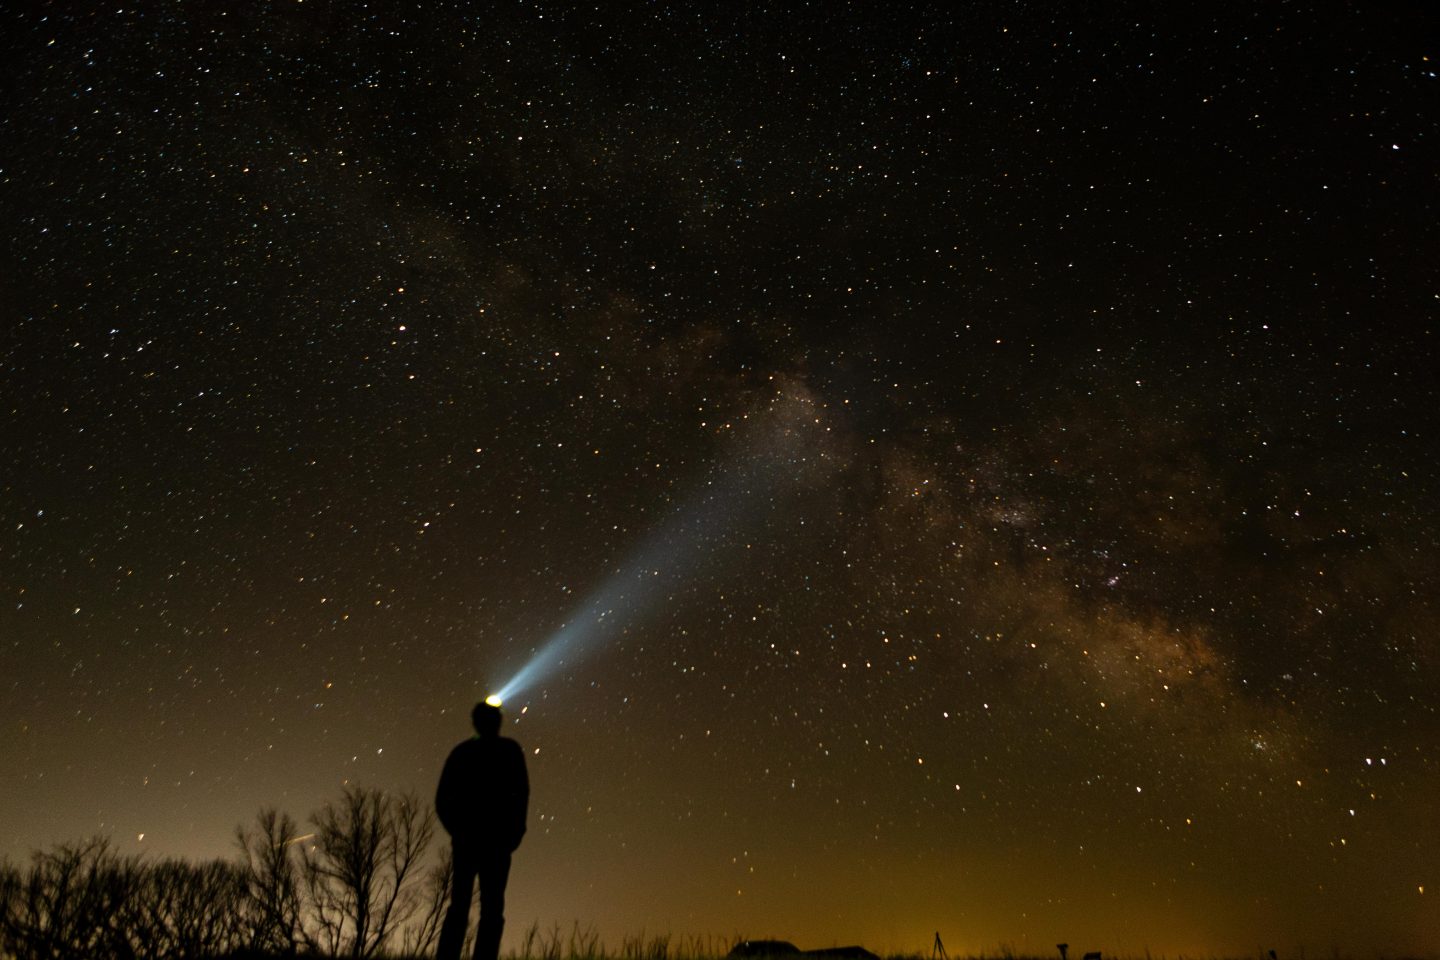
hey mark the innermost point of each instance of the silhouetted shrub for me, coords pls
(362, 869)
(68, 903)
(183, 910)
(356, 886)
(84, 900)
(272, 882)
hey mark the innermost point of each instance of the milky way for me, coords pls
(1001, 441)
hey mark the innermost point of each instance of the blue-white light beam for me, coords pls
(695, 534)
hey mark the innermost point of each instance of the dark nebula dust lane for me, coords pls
(965, 469)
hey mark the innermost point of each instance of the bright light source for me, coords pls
(493, 699)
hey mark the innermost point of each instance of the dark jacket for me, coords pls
(483, 793)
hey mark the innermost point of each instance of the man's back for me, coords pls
(483, 792)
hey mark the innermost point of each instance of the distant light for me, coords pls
(493, 699)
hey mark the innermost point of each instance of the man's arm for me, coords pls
(519, 793)
(445, 794)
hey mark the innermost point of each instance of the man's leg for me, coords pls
(462, 883)
(494, 868)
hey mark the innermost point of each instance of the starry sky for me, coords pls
(983, 455)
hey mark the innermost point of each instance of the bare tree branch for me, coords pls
(272, 881)
(361, 871)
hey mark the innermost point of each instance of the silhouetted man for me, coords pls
(481, 801)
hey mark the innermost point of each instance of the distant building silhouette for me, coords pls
(752, 949)
(840, 953)
(762, 948)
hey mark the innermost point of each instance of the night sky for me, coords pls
(982, 457)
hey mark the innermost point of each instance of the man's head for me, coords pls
(486, 719)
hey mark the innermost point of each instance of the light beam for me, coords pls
(758, 484)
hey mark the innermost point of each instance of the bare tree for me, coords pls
(272, 878)
(69, 903)
(11, 885)
(349, 888)
(361, 870)
(179, 910)
(83, 900)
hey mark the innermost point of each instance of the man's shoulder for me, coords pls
(465, 748)
(486, 747)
